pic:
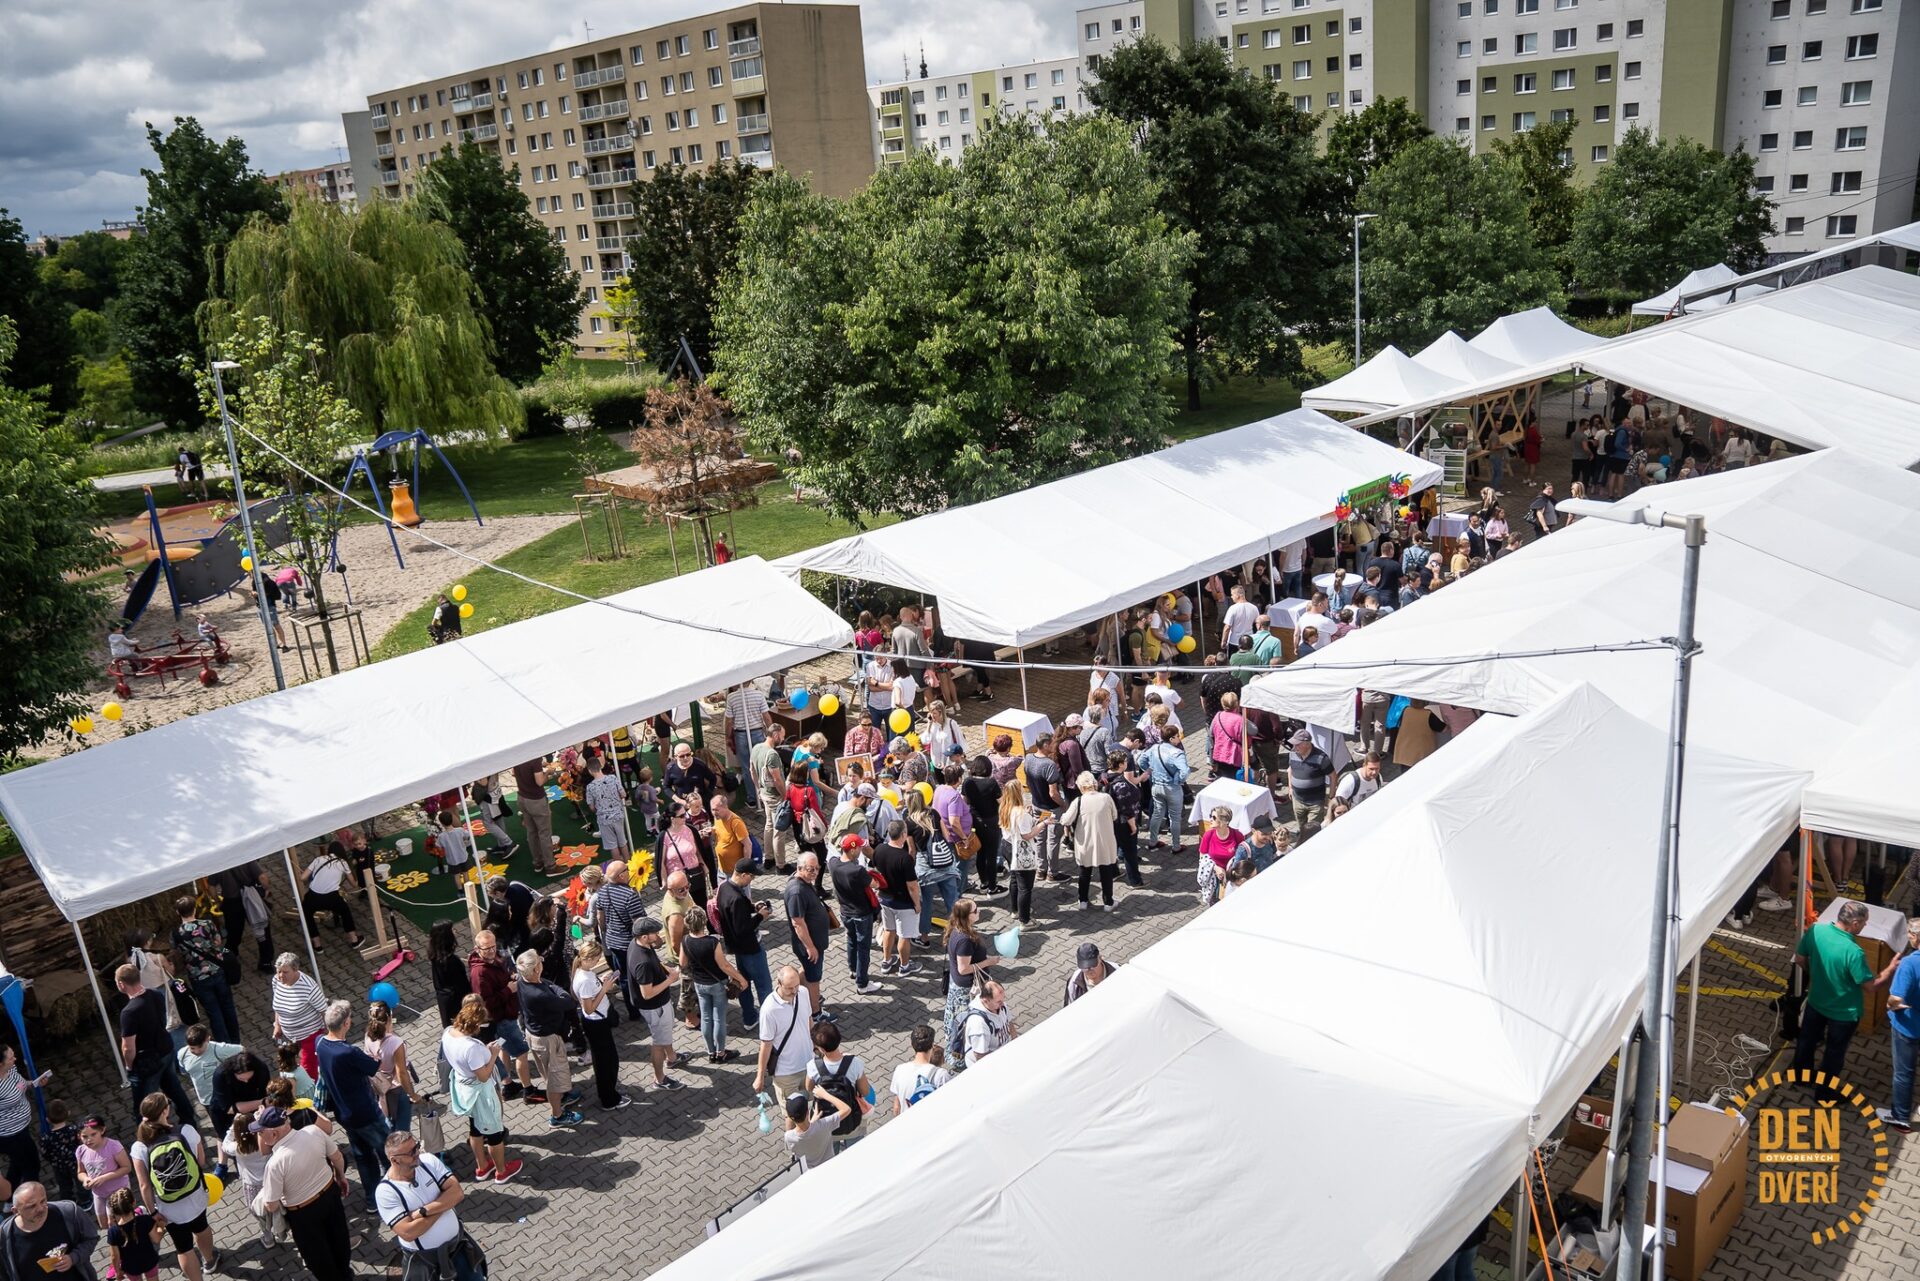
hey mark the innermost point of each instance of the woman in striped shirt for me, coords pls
(299, 1009)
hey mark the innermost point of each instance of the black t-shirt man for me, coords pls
(145, 1020)
(643, 971)
(804, 904)
(28, 1248)
(850, 882)
(545, 1006)
(894, 865)
(739, 923)
(1389, 573)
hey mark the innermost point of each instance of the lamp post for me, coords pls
(1657, 1012)
(1357, 220)
(246, 522)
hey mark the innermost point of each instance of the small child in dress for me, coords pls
(241, 1147)
(57, 1146)
(134, 1238)
(288, 1057)
(104, 1166)
(454, 842)
(646, 799)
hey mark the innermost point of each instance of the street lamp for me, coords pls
(246, 521)
(1357, 220)
(1657, 1013)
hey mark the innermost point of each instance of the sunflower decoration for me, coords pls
(576, 855)
(639, 870)
(406, 881)
(1399, 485)
(1343, 509)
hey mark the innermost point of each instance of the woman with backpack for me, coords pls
(170, 1164)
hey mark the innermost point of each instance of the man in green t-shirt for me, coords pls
(1838, 977)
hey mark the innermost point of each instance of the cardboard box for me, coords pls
(1706, 1186)
(1590, 1123)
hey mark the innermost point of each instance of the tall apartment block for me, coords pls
(1825, 93)
(765, 84)
(331, 184)
(942, 114)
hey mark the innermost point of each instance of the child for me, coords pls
(454, 842)
(646, 799)
(288, 1057)
(104, 1167)
(241, 1147)
(810, 1125)
(134, 1238)
(57, 1146)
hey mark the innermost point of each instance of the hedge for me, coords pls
(615, 404)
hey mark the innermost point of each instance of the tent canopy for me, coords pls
(1390, 378)
(145, 813)
(1530, 337)
(1864, 787)
(1797, 270)
(1809, 614)
(1203, 504)
(1452, 356)
(1666, 302)
(1491, 934)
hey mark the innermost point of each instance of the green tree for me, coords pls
(386, 295)
(1451, 248)
(1236, 167)
(1664, 207)
(1542, 157)
(43, 354)
(529, 295)
(1361, 142)
(87, 268)
(952, 333)
(49, 549)
(290, 426)
(687, 241)
(106, 395)
(197, 201)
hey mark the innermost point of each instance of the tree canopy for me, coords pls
(1540, 159)
(197, 200)
(1451, 247)
(44, 350)
(386, 295)
(1235, 166)
(955, 332)
(49, 548)
(1664, 207)
(1359, 143)
(687, 242)
(528, 294)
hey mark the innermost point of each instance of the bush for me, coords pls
(615, 404)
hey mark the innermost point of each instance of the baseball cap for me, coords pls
(852, 841)
(1088, 956)
(1300, 736)
(955, 749)
(268, 1118)
(1263, 824)
(647, 925)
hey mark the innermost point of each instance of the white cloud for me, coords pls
(80, 78)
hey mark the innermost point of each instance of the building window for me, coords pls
(646, 159)
(640, 90)
(946, 142)
(682, 46)
(693, 117)
(566, 104)
(676, 155)
(1763, 184)
(1602, 113)
(719, 113)
(686, 82)
(1771, 100)
(1490, 84)
(1006, 84)
(711, 37)
(1032, 79)
(1059, 76)
(1842, 224)
(1803, 140)
(1525, 82)
(1629, 111)
(1488, 123)
(920, 120)
(1354, 26)
(1563, 78)
(1526, 42)
(1566, 38)
(1776, 55)
(1490, 6)
(1333, 28)
(1782, 9)
(1603, 74)
(1526, 6)
(1808, 96)
(1796, 226)
(1092, 31)
(1270, 38)
(695, 153)
(1810, 51)
(1866, 6)
(1603, 32)
(666, 86)
(1636, 27)
(1333, 65)
(1303, 103)
(939, 93)
(1856, 93)
(1867, 46)
(966, 115)
(1353, 62)
(1599, 155)
(1561, 116)
(1796, 182)
(1522, 121)
(1303, 70)
(538, 79)
(1463, 124)
(579, 200)
(663, 50)
(646, 124)
(1463, 87)
(942, 117)
(637, 56)
(673, 122)
(723, 150)
(1490, 46)
(560, 235)
(1850, 138)
(1769, 142)
(1303, 34)
(715, 77)
(1243, 40)
(1845, 184)
(1464, 49)
(1631, 71)
(539, 204)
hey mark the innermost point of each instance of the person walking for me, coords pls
(1903, 1019)
(712, 975)
(146, 1049)
(1089, 972)
(1024, 826)
(769, 773)
(859, 904)
(651, 986)
(170, 1163)
(593, 984)
(740, 920)
(329, 873)
(784, 1042)
(1167, 770)
(473, 1094)
(547, 1007)
(899, 888)
(306, 1178)
(809, 920)
(1048, 788)
(968, 958)
(348, 1071)
(299, 1009)
(1838, 979)
(18, 1141)
(988, 1023)
(1308, 771)
(203, 954)
(1091, 817)
(395, 1084)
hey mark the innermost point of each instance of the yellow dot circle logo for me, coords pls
(1799, 1148)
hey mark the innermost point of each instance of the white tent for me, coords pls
(1864, 787)
(1793, 271)
(1171, 517)
(1530, 337)
(1452, 356)
(1809, 613)
(151, 811)
(1390, 378)
(1282, 1067)
(1668, 302)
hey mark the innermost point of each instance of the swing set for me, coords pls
(404, 512)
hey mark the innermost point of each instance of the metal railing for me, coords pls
(390, 177)
(751, 124)
(384, 150)
(609, 177)
(758, 159)
(610, 244)
(618, 209)
(379, 120)
(604, 110)
(480, 133)
(604, 76)
(743, 48)
(615, 142)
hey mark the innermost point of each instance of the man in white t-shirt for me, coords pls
(785, 1042)
(417, 1199)
(989, 1023)
(1243, 618)
(1293, 562)
(1363, 782)
(919, 1076)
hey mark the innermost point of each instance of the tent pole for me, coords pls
(100, 1000)
(1693, 1017)
(1517, 1261)
(300, 910)
(1026, 700)
(626, 822)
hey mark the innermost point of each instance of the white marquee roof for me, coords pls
(1452, 356)
(1664, 303)
(1530, 337)
(1390, 377)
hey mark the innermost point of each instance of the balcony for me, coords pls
(379, 120)
(752, 124)
(749, 77)
(758, 159)
(610, 244)
(616, 142)
(609, 177)
(390, 177)
(604, 111)
(604, 76)
(743, 48)
(618, 209)
(480, 133)
(472, 102)
(384, 150)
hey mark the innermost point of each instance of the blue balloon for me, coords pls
(1007, 942)
(801, 698)
(385, 992)
(1175, 633)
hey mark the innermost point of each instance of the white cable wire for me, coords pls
(847, 648)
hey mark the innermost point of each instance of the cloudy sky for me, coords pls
(78, 78)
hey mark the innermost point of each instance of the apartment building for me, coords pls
(1825, 93)
(765, 84)
(333, 184)
(942, 114)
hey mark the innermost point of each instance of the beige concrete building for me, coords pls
(331, 184)
(766, 84)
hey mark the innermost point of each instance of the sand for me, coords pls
(382, 591)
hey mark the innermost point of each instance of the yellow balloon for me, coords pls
(913, 741)
(890, 796)
(900, 721)
(1186, 645)
(82, 724)
(925, 790)
(829, 705)
(466, 610)
(112, 711)
(459, 591)
(246, 564)
(216, 1189)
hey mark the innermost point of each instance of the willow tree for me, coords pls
(386, 295)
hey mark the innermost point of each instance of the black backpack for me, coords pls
(837, 1084)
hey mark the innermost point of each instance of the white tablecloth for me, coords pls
(1287, 612)
(1324, 582)
(1026, 727)
(1450, 525)
(1247, 801)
